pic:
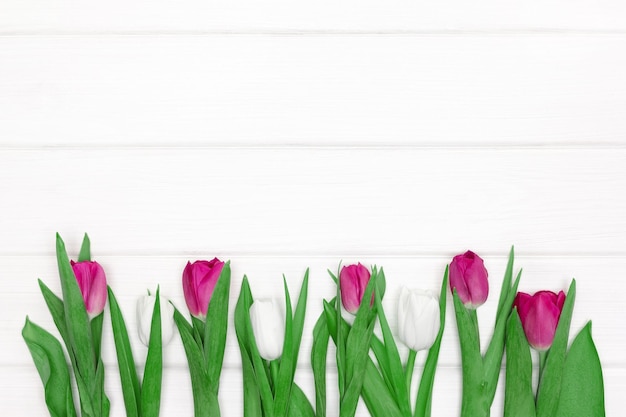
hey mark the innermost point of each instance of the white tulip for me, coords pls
(418, 319)
(268, 326)
(145, 307)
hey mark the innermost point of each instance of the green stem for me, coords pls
(274, 374)
(474, 318)
(408, 371)
(542, 363)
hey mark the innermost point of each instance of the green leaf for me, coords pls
(76, 319)
(318, 363)
(50, 362)
(495, 350)
(505, 290)
(251, 397)
(376, 395)
(519, 399)
(96, 333)
(243, 327)
(85, 250)
(299, 405)
(425, 391)
(216, 328)
(287, 365)
(583, 394)
(298, 320)
(393, 360)
(128, 374)
(57, 311)
(203, 397)
(153, 372)
(552, 376)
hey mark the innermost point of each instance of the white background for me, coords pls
(282, 135)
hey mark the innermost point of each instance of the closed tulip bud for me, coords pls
(418, 319)
(93, 285)
(353, 280)
(469, 277)
(268, 326)
(540, 315)
(145, 308)
(199, 280)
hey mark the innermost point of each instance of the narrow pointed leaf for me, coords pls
(425, 392)
(519, 399)
(153, 372)
(299, 405)
(287, 365)
(216, 328)
(318, 363)
(50, 362)
(128, 374)
(85, 250)
(552, 377)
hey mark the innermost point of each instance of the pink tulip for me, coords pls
(539, 314)
(199, 280)
(93, 286)
(353, 279)
(469, 276)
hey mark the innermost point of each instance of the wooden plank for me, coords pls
(130, 277)
(335, 90)
(325, 15)
(322, 201)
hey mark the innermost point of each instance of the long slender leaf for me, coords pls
(519, 399)
(251, 396)
(57, 311)
(153, 372)
(202, 396)
(425, 391)
(285, 374)
(50, 362)
(299, 405)
(495, 350)
(128, 374)
(583, 394)
(394, 361)
(376, 395)
(76, 319)
(505, 290)
(318, 363)
(552, 376)
(216, 328)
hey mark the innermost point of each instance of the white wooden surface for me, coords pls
(282, 135)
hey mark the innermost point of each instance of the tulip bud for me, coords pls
(145, 308)
(540, 315)
(469, 276)
(93, 286)
(418, 319)
(353, 280)
(268, 326)
(199, 280)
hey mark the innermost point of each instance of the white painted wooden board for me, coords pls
(408, 201)
(62, 16)
(350, 90)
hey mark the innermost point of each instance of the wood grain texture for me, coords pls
(315, 201)
(40, 16)
(358, 90)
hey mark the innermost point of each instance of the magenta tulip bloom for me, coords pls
(469, 276)
(93, 286)
(539, 314)
(199, 280)
(353, 279)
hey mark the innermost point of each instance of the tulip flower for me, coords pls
(418, 319)
(199, 280)
(93, 286)
(145, 308)
(469, 277)
(353, 280)
(539, 314)
(268, 326)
